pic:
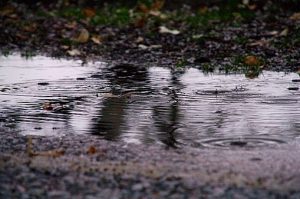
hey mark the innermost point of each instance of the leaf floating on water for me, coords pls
(47, 106)
(83, 36)
(163, 30)
(74, 52)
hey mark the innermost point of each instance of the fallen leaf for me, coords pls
(197, 36)
(30, 28)
(71, 25)
(272, 33)
(7, 11)
(65, 47)
(251, 60)
(74, 52)
(139, 40)
(89, 12)
(252, 7)
(47, 106)
(51, 153)
(295, 16)
(143, 47)
(83, 36)
(92, 150)
(155, 46)
(284, 32)
(203, 9)
(262, 42)
(157, 5)
(21, 36)
(97, 39)
(163, 30)
(155, 13)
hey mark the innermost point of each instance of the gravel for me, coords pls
(120, 170)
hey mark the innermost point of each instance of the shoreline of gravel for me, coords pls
(82, 166)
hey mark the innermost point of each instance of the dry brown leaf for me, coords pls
(83, 36)
(71, 25)
(89, 12)
(295, 16)
(163, 30)
(97, 39)
(139, 40)
(251, 60)
(74, 52)
(143, 8)
(21, 36)
(65, 47)
(47, 106)
(92, 150)
(285, 32)
(157, 5)
(143, 47)
(252, 6)
(7, 11)
(262, 42)
(203, 9)
(52, 153)
(30, 28)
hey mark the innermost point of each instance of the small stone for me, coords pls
(137, 187)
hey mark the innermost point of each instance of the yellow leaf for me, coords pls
(83, 36)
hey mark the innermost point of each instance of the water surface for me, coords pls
(154, 106)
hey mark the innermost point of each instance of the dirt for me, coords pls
(87, 167)
(211, 37)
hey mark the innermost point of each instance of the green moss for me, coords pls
(208, 68)
(112, 16)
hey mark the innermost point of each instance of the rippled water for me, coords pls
(154, 106)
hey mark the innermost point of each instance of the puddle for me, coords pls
(153, 106)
